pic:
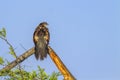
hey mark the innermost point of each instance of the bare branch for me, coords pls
(60, 65)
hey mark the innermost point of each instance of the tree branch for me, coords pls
(60, 65)
(17, 61)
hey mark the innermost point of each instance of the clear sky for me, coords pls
(84, 33)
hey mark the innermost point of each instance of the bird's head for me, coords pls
(44, 24)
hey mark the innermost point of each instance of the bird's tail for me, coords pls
(41, 50)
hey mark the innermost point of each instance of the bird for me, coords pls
(41, 38)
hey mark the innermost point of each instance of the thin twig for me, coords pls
(5, 39)
(19, 66)
(23, 47)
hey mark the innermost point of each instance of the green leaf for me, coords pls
(1, 60)
(3, 32)
(42, 74)
(54, 75)
(32, 75)
(0, 33)
(12, 51)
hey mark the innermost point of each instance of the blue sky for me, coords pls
(84, 33)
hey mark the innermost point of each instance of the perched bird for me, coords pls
(41, 38)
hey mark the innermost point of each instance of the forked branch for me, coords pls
(60, 65)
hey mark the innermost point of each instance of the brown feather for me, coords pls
(41, 40)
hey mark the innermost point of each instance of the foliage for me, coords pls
(3, 33)
(1, 61)
(40, 74)
(19, 73)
